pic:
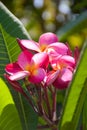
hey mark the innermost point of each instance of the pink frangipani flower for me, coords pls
(62, 72)
(51, 61)
(28, 65)
(48, 42)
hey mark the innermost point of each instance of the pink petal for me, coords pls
(29, 44)
(37, 76)
(54, 64)
(60, 48)
(51, 77)
(53, 58)
(69, 52)
(19, 75)
(63, 61)
(66, 75)
(24, 59)
(14, 84)
(48, 38)
(69, 60)
(76, 54)
(41, 59)
(12, 68)
(63, 79)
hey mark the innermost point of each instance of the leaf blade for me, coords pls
(12, 24)
(9, 118)
(74, 99)
(9, 52)
(73, 26)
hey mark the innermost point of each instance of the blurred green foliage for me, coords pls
(39, 16)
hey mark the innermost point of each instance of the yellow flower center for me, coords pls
(60, 65)
(43, 47)
(32, 69)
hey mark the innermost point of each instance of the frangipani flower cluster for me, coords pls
(47, 61)
(44, 67)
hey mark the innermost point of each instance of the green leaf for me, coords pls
(11, 24)
(9, 119)
(9, 50)
(73, 26)
(84, 115)
(76, 94)
(10, 29)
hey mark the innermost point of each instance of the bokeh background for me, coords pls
(40, 16)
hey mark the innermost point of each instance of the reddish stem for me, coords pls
(54, 106)
(47, 102)
(39, 100)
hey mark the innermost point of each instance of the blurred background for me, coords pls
(40, 16)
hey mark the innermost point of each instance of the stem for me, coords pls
(46, 126)
(47, 102)
(54, 128)
(31, 92)
(50, 88)
(30, 102)
(39, 102)
(43, 127)
(45, 117)
(54, 106)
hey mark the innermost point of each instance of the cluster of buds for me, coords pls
(44, 66)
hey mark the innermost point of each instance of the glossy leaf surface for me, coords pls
(9, 118)
(10, 29)
(76, 95)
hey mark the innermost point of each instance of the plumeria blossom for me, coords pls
(28, 65)
(62, 72)
(48, 42)
(48, 51)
